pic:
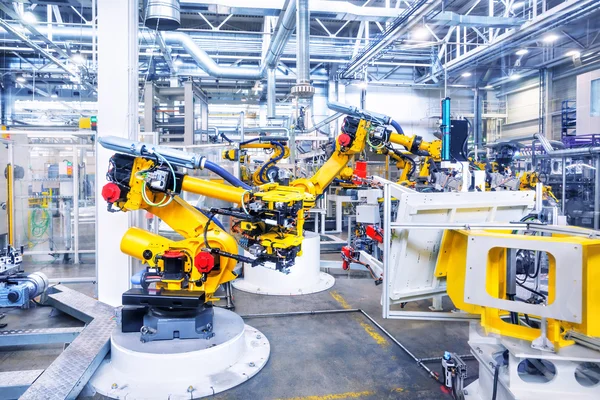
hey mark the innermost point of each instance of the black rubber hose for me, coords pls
(495, 390)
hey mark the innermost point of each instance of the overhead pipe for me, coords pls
(402, 24)
(208, 65)
(560, 15)
(271, 94)
(303, 43)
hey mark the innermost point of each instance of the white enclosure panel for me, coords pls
(414, 252)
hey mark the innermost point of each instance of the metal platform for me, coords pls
(68, 374)
(25, 337)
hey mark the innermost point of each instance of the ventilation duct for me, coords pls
(303, 87)
(162, 15)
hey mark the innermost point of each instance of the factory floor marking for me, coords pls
(338, 396)
(371, 331)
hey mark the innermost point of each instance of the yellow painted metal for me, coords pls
(452, 264)
(434, 148)
(213, 189)
(85, 123)
(316, 184)
(136, 241)
(10, 204)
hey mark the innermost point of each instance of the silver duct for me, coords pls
(206, 63)
(303, 87)
(303, 44)
(271, 94)
(283, 32)
(162, 15)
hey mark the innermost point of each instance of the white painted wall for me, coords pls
(523, 106)
(586, 123)
(416, 110)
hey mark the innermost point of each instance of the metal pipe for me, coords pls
(271, 94)
(39, 49)
(322, 123)
(284, 29)
(563, 199)
(406, 21)
(560, 15)
(597, 194)
(393, 339)
(420, 362)
(303, 42)
(357, 112)
(206, 63)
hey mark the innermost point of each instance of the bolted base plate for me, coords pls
(186, 369)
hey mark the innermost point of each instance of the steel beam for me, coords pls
(8, 27)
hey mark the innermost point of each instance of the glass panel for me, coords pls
(595, 99)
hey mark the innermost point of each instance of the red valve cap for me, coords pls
(344, 140)
(111, 192)
(204, 262)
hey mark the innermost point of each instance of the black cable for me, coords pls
(531, 290)
(495, 390)
(465, 149)
(206, 231)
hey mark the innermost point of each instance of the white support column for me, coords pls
(117, 116)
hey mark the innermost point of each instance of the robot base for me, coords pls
(182, 369)
(563, 376)
(305, 275)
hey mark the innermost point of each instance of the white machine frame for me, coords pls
(411, 243)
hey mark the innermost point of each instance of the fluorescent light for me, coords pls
(550, 38)
(29, 17)
(21, 79)
(420, 33)
(522, 52)
(178, 62)
(573, 53)
(54, 95)
(489, 87)
(78, 58)
(244, 99)
(466, 74)
(362, 85)
(517, 5)
(514, 77)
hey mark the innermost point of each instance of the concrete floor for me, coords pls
(320, 357)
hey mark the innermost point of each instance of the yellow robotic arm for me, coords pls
(268, 224)
(264, 173)
(350, 142)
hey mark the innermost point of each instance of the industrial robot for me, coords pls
(260, 173)
(181, 277)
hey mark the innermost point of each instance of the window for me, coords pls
(595, 99)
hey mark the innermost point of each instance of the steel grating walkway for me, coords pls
(68, 374)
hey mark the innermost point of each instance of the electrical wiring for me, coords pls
(242, 202)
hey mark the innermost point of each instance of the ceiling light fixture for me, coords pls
(29, 17)
(363, 84)
(514, 77)
(21, 79)
(54, 95)
(178, 62)
(573, 53)
(522, 52)
(551, 38)
(421, 33)
(466, 74)
(78, 58)
(517, 5)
